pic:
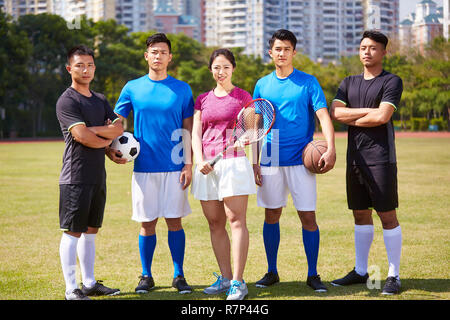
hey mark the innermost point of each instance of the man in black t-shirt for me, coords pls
(366, 103)
(88, 125)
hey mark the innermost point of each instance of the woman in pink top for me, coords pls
(223, 189)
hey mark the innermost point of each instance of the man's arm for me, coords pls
(113, 154)
(186, 172)
(376, 117)
(328, 159)
(86, 137)
(341, 113)
(110, 130)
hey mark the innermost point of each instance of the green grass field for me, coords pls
(29, 232)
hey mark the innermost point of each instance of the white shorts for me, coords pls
(231, 177)
(278, 181)
(158, 194)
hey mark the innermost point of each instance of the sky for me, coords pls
(408, 6)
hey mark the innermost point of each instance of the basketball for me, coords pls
(312, 153)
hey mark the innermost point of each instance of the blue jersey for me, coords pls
(159, 108)
(295, 99)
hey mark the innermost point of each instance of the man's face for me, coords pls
(282, 53)
(158, 56)
(371, 53)
(81, 68)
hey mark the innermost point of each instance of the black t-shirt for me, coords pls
(375, 145)
(81, 164)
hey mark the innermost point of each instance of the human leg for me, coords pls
(214, 212)
(236, 209)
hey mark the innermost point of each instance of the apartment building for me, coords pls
(419, 28)
(326, 29)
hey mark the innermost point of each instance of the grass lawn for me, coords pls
(29, 232)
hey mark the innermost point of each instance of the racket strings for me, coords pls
(254, 121)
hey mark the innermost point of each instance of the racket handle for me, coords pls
(214, 161)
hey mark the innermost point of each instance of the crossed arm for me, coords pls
(98, 136)
(361, 117)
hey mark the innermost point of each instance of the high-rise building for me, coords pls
(92, 9)
(446, 14)
(17, 8)
(326, 29)
(419, 28)
(137, 15)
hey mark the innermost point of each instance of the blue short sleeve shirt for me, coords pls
(159, 108)
(295, 99)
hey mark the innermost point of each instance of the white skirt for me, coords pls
(158, 194)
(231, 177)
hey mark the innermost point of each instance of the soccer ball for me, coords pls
(128, 145)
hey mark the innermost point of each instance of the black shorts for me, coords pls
(81, 206)
(372, 187)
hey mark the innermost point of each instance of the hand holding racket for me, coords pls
(252, 124)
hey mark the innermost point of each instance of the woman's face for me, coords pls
(222, 70)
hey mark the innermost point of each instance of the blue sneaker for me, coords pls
(221, 285)
(238, 290)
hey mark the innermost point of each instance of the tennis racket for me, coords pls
(253, 123)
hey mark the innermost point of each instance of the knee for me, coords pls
(174, 224)
(308, 219)
(148, 228)
(216, 224)
(272, 215)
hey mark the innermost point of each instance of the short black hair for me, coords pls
(376, 36)
(283, 34)
(158, 37)
(224, 52)
(80, 50)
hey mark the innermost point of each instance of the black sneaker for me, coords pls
(76, 294)
(269, 279)
(351, 278)
(145, 284)
(181, 285)
(392, 286)
(315, 283)
(99, 290)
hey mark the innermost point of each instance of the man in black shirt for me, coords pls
(88, 125)
(366, 103)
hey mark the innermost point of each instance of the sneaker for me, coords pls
(76, 294)
(221, 285)
(145, 284)
(315, 283)
(351, 278)
(181, 285)
(238, 290)
(392, 286)
(99, 290)
(269, 279)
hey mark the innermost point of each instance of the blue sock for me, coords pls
(311, 241)
(271, 235)
(147, 246)
(177, 241)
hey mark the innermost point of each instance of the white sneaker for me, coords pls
(76, 294)
(221, 285)
(238, 290)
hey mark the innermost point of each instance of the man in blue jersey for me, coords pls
(296, 97)
(162, 108)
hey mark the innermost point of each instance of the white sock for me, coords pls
(393, 244)
(363, 241)
(68, 255)
(86, 255)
